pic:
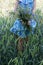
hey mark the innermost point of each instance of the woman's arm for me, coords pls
(15, 5)
(34, 7)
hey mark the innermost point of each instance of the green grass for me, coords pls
(33, 49)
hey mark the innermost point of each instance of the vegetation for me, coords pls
(33, 49)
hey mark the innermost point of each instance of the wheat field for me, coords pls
(9, 5)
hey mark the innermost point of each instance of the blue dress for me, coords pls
(18, 28)
(27, 4)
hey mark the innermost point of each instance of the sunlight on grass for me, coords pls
(6, 6)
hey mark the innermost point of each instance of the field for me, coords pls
(32, 53)
(33, 50)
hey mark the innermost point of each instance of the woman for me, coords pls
(18, 28)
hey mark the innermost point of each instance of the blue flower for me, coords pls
(32, 23)
(19, 29)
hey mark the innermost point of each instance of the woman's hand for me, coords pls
(28, 22)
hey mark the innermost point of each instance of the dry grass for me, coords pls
(39, 4)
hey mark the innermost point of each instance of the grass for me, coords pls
(33, 50)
